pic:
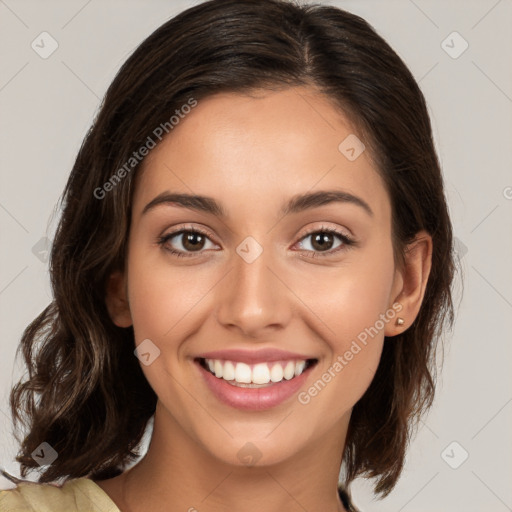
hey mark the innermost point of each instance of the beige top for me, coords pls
(75, 495)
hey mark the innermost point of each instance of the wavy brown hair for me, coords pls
(85, 393)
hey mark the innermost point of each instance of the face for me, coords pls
(264, 279)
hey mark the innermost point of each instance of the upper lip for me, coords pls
(253, 356)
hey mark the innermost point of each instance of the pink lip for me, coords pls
(253, 356)
(253, 399)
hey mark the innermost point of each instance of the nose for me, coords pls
(254, 299)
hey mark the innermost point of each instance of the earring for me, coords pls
(400, 321)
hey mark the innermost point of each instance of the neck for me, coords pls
(180, 475)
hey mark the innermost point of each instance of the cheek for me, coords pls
(165, 302)
(352, 303)
(350, 299)
(161, 297)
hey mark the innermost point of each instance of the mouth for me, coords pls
(255, 376)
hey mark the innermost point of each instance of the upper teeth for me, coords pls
(260, 373)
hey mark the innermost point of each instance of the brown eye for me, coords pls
(325, 241)
(322, 241)
(185, 242)
(192, 241)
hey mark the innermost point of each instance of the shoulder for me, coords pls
(75, 495)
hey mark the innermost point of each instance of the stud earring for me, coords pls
(400, 321)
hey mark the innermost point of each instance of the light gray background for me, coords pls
(47, 105)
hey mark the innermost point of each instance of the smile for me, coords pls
(257, 385)
(256, 375)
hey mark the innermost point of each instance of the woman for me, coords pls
(255, 252)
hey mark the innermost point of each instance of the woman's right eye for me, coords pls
(188, 242)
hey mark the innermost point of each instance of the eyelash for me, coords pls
(347, 242)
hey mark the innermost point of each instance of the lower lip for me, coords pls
(253, 399)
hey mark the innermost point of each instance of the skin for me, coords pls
(252, 154)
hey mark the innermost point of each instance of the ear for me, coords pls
(116, 300)
(410, 283)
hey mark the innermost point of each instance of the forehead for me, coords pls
(256, 149)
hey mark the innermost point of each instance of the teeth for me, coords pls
(299, 367)
(289, 370)
(218, 369)
(242, 372)
(276, 374)
(228, 373)
(261, 373)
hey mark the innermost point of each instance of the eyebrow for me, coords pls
(296, 204)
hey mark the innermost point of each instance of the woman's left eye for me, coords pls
(323, 242)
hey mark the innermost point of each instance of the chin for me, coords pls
(253, 452)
